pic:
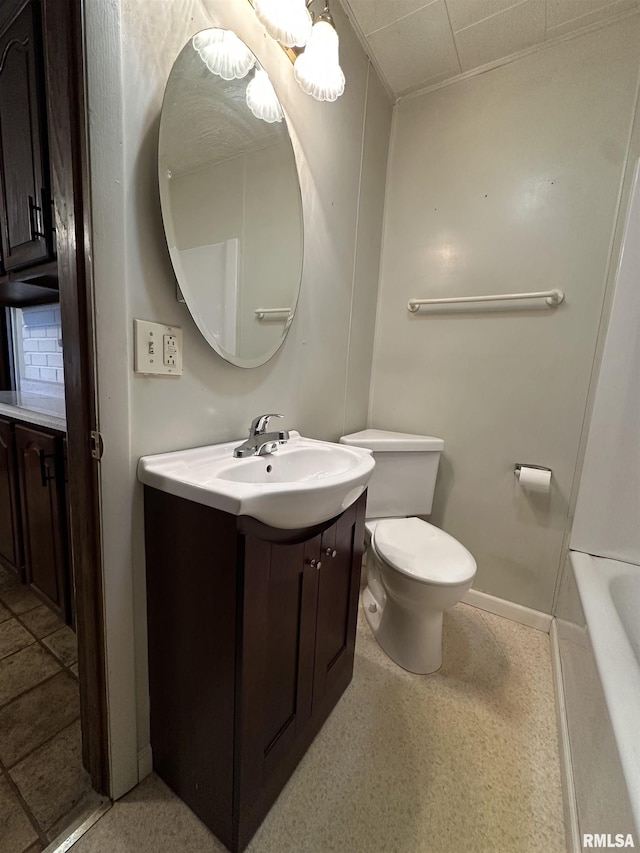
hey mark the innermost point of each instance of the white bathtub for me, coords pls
(598, 630)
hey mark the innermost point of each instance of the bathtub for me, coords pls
(598, 640)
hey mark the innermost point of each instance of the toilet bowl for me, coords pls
(415, 573)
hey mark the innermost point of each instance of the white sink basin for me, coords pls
(304, 482)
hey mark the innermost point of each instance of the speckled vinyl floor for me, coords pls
(463, 761)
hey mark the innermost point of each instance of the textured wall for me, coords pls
(319, 379)
(506, 181)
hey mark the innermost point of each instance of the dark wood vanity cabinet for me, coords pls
(25, 208)
(251, 644)
(10, 530)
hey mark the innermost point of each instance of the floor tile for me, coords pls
(34, 717)
(59, 759)
(23, 670)
(13, 637)
(88, 803)
(41, 621)
(63, 644)
(20, 599)
(38, 847)
(4, 613)
(16, 831)
(74, 670)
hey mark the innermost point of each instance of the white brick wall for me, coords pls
(41, 336)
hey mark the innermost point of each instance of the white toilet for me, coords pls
(415, 570)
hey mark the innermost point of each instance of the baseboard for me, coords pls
(509, 609)
(145, 762)
(571, 826)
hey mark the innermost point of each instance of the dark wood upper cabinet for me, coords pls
(41, 476)
(10, 539)
(25, 204)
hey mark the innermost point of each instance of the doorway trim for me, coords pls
(68, 150)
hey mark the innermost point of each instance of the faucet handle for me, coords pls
(259, 425)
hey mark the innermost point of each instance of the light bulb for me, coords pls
(288, 21)
(224, 53)
(262, 99)
(317, 70)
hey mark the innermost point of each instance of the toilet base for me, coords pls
(413, 642)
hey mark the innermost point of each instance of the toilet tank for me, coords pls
(404, 478)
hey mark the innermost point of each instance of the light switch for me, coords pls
(158, 348)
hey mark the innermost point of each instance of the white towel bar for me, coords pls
(552, 297)
(261, 312)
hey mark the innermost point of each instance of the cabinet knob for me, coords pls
(315, 564)
(331, 552)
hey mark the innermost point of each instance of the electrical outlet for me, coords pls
(169, 350)
(158, 348)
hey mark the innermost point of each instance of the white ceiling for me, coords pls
(415, 44)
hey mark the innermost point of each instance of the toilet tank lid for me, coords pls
(380, 440)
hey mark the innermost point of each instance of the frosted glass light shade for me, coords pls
(224, 53)
(288, 21)
(317, 70)
(205, 37)
(262, 99)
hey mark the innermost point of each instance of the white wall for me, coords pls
(607, 516)
(320, 377)
(505, 181)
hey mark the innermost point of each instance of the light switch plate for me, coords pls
(158, 348)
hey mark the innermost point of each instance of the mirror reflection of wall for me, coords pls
(232, 210)
(250, 238)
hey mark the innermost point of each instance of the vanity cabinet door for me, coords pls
(10, 540)
(43, 519)
(25, 211)
(339, 586)
(278, 645)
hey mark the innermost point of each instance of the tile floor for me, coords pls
(462, 760)
(43, 786)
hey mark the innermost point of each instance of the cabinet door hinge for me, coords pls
(96, 444)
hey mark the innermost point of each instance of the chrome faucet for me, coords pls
(261, 442)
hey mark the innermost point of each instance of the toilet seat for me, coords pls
(423, 552)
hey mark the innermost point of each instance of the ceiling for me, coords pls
(414, 44)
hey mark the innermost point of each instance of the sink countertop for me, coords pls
(303, 483)
(34, 409)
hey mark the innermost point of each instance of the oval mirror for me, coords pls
(230, 198)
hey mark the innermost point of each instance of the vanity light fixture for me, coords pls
(287, 21)
(224, 53)
(262, 99)
(317, 70)
(311, 43)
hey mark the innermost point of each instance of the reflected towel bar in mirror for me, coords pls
(552, 298)
(262, 312)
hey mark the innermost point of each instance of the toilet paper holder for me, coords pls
(520, 465)
(533, 478)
